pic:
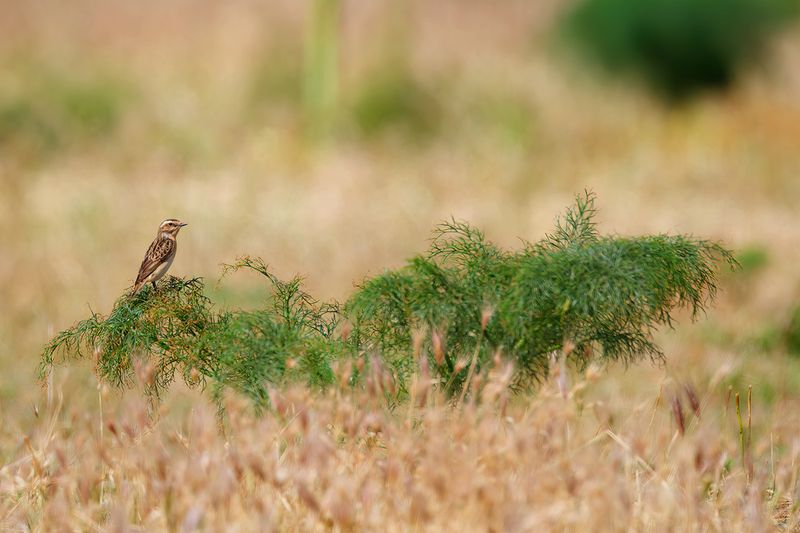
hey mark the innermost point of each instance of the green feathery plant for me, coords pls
(458, 304)
(291, 338)
(158, 326)
(175, 329)
(595, 293)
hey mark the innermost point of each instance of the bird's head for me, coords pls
(171, 226)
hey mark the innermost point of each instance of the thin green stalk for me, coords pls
(749, 415)
(741, 437)
(320, 82)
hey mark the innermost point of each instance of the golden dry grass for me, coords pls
(340, 460)
(73, 226)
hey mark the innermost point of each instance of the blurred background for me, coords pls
(329, 136)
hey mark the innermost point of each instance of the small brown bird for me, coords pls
(160, 255)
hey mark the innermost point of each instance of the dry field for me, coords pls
(113, 118)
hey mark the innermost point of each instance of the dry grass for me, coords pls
(73, 226)
(564, 461)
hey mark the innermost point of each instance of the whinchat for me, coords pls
(160, 255)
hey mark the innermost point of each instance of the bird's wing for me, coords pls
(160, 250)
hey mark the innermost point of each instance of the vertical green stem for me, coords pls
(320, 81)
(741, 436)
(749, 415)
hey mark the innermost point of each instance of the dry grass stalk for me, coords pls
(344, 461)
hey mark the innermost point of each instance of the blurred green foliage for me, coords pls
(393, 101)
(48, 110)
(679, 47)
(275, 79)
(92, 108)
(752, 258)
(792, 332)
(512, 118)
(466, 299)
(768, 339)
(51, 109)
(22, 125)
(321, 72)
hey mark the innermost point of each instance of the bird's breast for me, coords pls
(159, 272)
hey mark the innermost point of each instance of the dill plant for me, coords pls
(458, 304)
(162, 324)
(175, 329)
(292, 337)
(599, 294)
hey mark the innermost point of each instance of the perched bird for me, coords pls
(159, 256)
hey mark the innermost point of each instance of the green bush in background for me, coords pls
(679, 47)
(55, 109)
(792, 333)
(393, 101)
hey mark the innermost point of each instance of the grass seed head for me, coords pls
(438, 347)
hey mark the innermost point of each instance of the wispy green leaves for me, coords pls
(175, 329)
(464, 298)
(595, 292)
(163, 323)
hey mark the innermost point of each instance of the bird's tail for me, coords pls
(136, 287)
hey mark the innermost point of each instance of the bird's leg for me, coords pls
(154, 285)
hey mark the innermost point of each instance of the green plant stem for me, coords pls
(741, 436)
(320, 82)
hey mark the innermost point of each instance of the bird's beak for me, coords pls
(182, 224)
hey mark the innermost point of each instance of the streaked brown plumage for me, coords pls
(160, 254)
